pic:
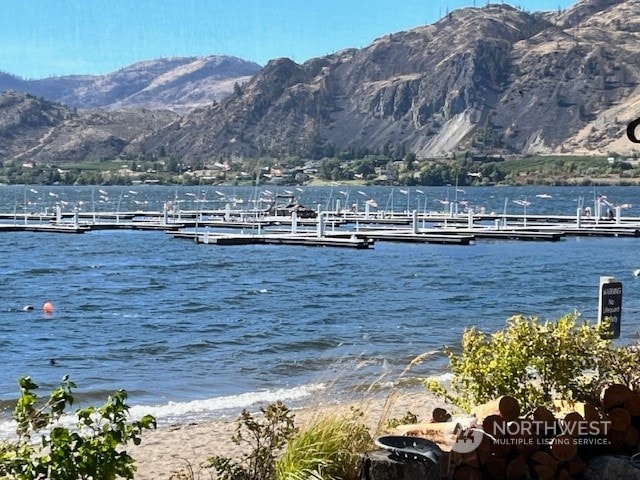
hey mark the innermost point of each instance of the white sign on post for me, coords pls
(610, 305)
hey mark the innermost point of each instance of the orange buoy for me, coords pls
(47, 307)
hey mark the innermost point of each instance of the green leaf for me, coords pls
(95, 452)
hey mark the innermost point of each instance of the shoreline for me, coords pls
(175, 447)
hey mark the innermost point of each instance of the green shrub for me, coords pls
(530, 360)
(265, 436)
(621, 365)
(329, 448)
(92, 450)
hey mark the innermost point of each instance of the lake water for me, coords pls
(193, 330)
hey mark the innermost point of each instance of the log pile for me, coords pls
(545, 443)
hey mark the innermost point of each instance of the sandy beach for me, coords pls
(171, 448)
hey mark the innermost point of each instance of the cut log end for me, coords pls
(505, 406)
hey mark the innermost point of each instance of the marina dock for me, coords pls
(346, 229)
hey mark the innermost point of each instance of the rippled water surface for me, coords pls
(178, 323)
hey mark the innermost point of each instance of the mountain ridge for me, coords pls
(482, 79)
(175, 83)
(489, 80)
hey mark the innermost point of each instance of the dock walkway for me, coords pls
(349, 230)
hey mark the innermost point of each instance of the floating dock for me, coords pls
(329, 229)
(358, 242)
(46, 228)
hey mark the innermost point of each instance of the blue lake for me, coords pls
(192, 330)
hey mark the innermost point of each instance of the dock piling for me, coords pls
(320, 229)
(579, 217)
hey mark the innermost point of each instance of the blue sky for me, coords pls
(40, 38)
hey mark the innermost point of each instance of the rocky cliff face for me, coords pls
(489, 79)
(494, 79)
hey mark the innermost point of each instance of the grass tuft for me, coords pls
(328, 448)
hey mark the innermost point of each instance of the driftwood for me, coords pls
(427, 428)
(545, 443)
(442, 433)
(523, 438)
(495, 425)
(440, 415)
(614, 395)
(619, 418)
(573, 422)
(632, 404)
(545, 422)
(505, 406)
(543, 414)
(588, 411)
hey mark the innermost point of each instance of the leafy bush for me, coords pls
(621, 365)
(266, 437)
(530, 360)
(90, 451)
(327, 449)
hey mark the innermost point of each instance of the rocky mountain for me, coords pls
(494, 79)
(486, 79)
(177, 84)
(36, 130)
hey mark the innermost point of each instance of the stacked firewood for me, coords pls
(545, 443)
